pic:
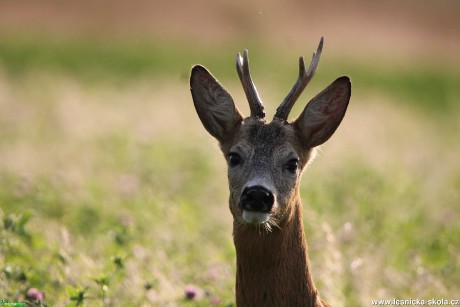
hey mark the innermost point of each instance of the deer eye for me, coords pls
(292, 165)
(234, 159)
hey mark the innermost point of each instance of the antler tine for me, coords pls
(304, 77)
(255, 104)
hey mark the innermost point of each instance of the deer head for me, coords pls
(265, 160)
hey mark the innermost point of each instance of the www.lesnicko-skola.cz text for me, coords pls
(417, 302)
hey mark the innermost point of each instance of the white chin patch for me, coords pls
(254, 217)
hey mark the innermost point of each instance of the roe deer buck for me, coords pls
(265, 163)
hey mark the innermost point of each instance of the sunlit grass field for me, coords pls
(112, 193)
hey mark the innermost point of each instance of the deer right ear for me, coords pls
(214, 105)
(323, 114)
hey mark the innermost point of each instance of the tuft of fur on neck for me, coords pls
(273, 267)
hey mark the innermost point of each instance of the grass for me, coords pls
(111, 193)
(426, 85)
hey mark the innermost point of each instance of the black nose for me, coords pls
(257, 198)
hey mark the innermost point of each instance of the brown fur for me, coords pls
(273, 269)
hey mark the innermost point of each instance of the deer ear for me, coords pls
(214, 105)
(323, 114)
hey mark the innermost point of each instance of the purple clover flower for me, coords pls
(35, 294)
(191, 292)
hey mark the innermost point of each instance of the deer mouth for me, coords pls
(255, 217)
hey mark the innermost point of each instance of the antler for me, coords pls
(304, 77)
(255, 104)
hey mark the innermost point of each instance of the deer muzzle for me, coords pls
(256, 203)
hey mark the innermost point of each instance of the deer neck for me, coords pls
(272, 268)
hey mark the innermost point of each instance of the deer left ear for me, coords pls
(323, 114)
(213, 103)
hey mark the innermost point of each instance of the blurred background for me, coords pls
(111, 191)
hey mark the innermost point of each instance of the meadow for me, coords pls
(113, 194)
